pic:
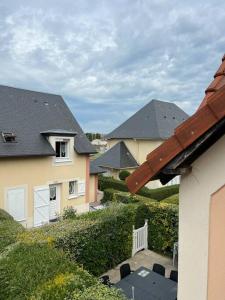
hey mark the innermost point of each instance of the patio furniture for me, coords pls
(104, 280)
(147, 285)
(175, 252)
(174, 275)
(125, 270)
(157, 268)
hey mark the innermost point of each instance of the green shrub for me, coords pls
(9, 229)
(174, 199)
(111, 195)
(123, 174)
(163, 226)
(4, 215)
(69, 213)
(157, 194)
(99, 292)
(27, 266)
(98, 240)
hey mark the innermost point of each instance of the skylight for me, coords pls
(9, 137)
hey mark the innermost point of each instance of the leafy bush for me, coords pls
(157, 194)
(123, 174)
(69, 213)
(111, 195)
(9, 229)
(27, 266)
(39, 272)
(163, 226)
(98, 240)
(174, 199)
(99, 292)
(4, 215)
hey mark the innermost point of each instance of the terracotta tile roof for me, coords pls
(216, 84)
(211, 111)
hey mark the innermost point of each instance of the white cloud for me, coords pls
(119, 54)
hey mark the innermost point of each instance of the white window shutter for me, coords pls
(41, 205)
(16, 203)
(81, 187)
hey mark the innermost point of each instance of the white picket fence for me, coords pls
(140, 238)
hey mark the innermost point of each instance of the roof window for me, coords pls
(9, 137)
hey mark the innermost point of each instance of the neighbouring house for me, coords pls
(116, 159)
(99, 145)
(95, 194)
(143, 132)
(196, 151)
(44, 157)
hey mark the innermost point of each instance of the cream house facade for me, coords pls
(44, 158)
(143, 132)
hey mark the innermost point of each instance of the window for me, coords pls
(9, 137)
(73, 189)
(61, 149)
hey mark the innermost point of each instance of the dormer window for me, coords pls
(62, 149)
(9, 137)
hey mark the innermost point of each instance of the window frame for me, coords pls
(75, 194)
(67, 150)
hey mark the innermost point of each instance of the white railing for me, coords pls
(140, 238)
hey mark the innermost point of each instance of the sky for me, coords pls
(109, 58)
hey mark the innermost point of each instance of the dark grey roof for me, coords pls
(95, 169)
(156, 120)
(27, 114)
(117, 157)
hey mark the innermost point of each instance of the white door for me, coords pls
(54, 199)
(41, 205)
(15, 205)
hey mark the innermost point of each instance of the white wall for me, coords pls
(207, 176)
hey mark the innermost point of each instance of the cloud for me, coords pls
(109, 58)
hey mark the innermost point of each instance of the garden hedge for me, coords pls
(123, 174)
(9, 229)
(98, 241)
(174, 199)
(157, 194)
(38, 271)
(163, 226)
(112, 195)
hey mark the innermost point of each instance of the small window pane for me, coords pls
(63, 149)
(73, 188)
(57, 149)
(52, 193)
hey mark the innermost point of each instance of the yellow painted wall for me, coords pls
(33, 172)
(138, 148)
(93, 190)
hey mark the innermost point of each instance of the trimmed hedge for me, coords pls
(38, 272)
(9, 229)
(174, 199)
(99, 241)
(123, 174)
(4, 215)
(111, 195)
(157, 194)
(163, 226)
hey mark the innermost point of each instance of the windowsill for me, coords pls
(73, 197)
(62, 160)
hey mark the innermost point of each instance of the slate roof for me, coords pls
(27, 114)
(118, 157)
(189, 141)
(95, 169)
(156, 120)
